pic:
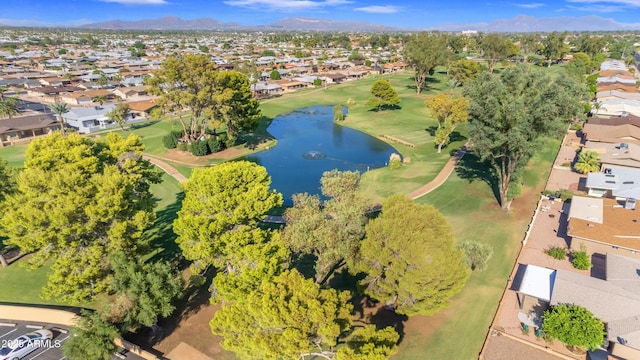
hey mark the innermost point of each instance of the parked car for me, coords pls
(25, 344)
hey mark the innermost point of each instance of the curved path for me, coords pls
(166, 168)
(442, 176)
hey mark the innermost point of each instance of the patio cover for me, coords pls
(537, 282)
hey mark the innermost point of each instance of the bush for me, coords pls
(580, 260)
(351, 102)
(338, 113)
(566, 164)
(556, 252)
(182, 146)
(395, 162)
(199, 148)
(169, 141)
(476, 254)
(214, 145)
(317, 82)
(576, 127)
(563, 194)
(229, 141)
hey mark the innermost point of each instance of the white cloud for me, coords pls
(378, 9)
(285, 5)
(626, 3)
(599, 8)
(137, 2)
(530, 5)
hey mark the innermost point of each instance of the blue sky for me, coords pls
(407, 13)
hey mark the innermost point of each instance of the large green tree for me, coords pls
(287, 317)
(450, 112)
(119, 114)
(384, 95)
(221, 204)
(410, 259)
(8, 186)
(512, 113)
(78, 201)
(331, 231)
(554, 47)
(574, 326)
(368, 343)
(191, 87)
(495, 48)
(92, 338)
(143, 292)
(425, 51)
(462, 71)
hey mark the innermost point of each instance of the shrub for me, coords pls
(574, 326)
(351, 102)
(317, 82)
(395, 162)
(199, 148)
(476, 254)
(182, 146)
(229, 141)
(566, 164)
(580, 260)
(169, 141)
(214, 145)
(556, 252)
(576, 127)
(338, 113)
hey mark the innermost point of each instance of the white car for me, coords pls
(24, 345)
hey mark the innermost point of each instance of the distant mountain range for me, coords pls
(520, 23)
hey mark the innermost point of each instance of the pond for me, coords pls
(310, 143)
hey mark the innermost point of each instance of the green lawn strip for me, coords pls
(471, 208)
(23, 285)
(168, 195)
(14, 155)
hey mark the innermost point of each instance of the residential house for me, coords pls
(618, 182)
(622, 79)
(618, 65)
(55, 81)
(615, 300)
(619, 107)
(264, 89)
(616, 154)
(616, 94)
(291, 85)
(605, 225)
(89, 119)
(333, 78)
(127, 93)
(617, 86)
(616, 133)
(85, 98)
(14, 129)
(141, 109)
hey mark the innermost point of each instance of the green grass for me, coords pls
(472, 210)
(22, 285)
(14, 155)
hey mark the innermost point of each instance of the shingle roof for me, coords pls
(27, 123)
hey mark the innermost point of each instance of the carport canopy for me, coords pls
(537, 282)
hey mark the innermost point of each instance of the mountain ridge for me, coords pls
(519, 23)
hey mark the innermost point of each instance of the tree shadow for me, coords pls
(162, 236)
(384, 317)
(141, 125)
(195, 296)
(471, 168)
(305, 264)
(344, 280)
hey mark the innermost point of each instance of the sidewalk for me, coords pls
(442, 176)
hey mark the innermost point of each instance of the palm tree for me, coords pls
(100, 99)
(9, 107)
(102, 81)
(588, 161)
(60, 108)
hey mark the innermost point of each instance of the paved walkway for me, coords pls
(442, 176)
(166, 168)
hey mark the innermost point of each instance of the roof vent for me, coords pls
(630, 204)
(623, 146)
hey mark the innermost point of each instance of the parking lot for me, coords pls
(10, 330)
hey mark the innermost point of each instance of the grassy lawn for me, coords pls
(472, 209)
(14, 155)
